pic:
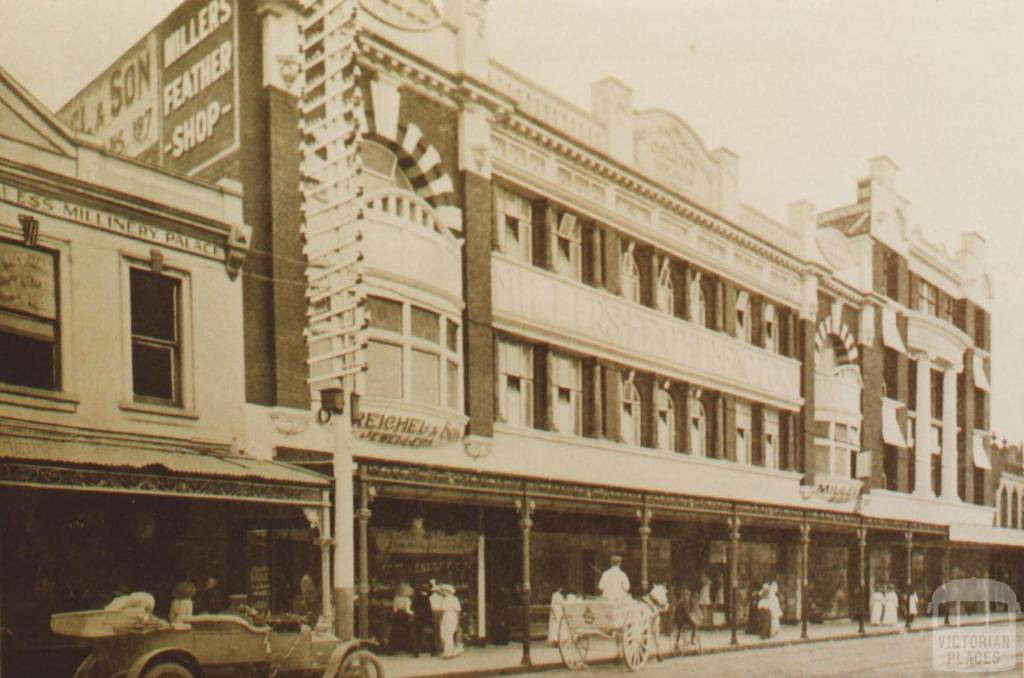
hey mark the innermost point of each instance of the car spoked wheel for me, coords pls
(361, 664)
(168, 670)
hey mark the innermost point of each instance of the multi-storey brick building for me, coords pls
(580, 340)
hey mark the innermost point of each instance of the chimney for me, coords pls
(612, 104)
(883, 170)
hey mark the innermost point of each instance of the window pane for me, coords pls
(384, 370)
(154, 301)
(153, 371)
(27, 360)
(452, 335)
(426, 378)
(453, 386)
(424, 324)
(384, 314)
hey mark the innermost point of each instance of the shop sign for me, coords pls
(425, 542)
(198, 105)
(27, 281)
(106, 221)
(407, 430)
(120, 106)
(834, 492)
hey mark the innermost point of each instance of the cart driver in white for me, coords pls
(614, 584)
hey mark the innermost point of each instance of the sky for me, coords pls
(804, 91)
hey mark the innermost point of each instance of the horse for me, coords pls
(656, 602)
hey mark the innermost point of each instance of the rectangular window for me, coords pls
(936, 392)
(384, 370)
(426, 378)
(385, 314)
(425, 324)
(743, 433)
(515, 382)
(891, 273)
(156, 337)
(928, 298)
(979, 409)
(453, 386)
(567, 394)
(516, 233)
(890, 373)
(568, 255)
(771, 438)
(912, 386)
(890, 468)
(979, 486)
(979, 328)
(949, 308)
(28, 318)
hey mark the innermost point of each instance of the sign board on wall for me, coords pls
(27, 283)
(176, 91)
(120, 106)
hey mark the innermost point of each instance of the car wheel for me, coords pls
(168, 670)
(361, 664)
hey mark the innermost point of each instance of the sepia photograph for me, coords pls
(464, 338)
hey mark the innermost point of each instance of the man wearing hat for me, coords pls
(614, 584)
(437, 612)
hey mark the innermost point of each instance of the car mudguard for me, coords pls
(175, 655)
(339, 654)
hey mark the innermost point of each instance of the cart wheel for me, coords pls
(168, 670)
(93, 667)
(636, 639)
(572, 646)
(361, 664)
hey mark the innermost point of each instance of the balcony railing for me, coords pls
(537, 303)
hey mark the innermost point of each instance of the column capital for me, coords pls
(805, 533)
(363, 514)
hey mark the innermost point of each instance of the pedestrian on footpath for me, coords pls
(704, 600)
(436, 612)
(402, 621)
(911, 607)
(877, 603)
(423, 622)
(555, 615)
(890, 608)
(451, 609)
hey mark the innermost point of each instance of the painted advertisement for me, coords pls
(198, 84)
(173, 98)
(120, 106)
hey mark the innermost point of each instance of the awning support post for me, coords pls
(805, 544)
(910, 574)
(645, 515)
(326, 542)
(862, 544)
(734, 573)
(366, 494)
(525, 508)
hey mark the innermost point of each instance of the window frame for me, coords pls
(184, 406)
(697, 426)
(570, 231)
(574, 367)
(524, 377)
(744, 321)
(665, 297)
(630, 273)
(509, 204)
(664, 403)
(744, 434)
(635, 416)
(698, 311)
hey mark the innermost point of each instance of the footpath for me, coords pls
(495, 660)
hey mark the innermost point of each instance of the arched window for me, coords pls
(698, 307)
(666, 420)
(666, 291)
(382, 169)
(698, 427)
(1004, 500)
(771, 329)
(744, 324)
(630, 276)
(632, 414)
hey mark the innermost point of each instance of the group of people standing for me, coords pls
(885, 607)
(426, 620)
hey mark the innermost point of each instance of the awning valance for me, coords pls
(136, 467)
(979, 454)
(980, 379)
(891, 433)
(891, 331)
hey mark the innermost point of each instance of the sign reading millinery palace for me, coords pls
(107, 221)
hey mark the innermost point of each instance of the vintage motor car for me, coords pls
(133, 643)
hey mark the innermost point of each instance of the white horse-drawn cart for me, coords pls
(628, 622)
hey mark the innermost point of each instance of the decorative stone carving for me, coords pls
(478, 447)
(289, 423)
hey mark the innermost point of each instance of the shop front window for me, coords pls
(29, 325)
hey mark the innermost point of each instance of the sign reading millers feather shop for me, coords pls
(408, 430)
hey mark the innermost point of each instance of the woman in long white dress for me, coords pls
(877, 601)
(450, 611)
(774, 610)
(555, 615)
(890, 615)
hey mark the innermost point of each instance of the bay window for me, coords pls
(29, 325)
(566, 379)
(412, 354)
(632, 413)
(515, 382)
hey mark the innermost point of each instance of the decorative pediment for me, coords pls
(670, 152)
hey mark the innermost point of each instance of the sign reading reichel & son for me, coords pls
(405, 430)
